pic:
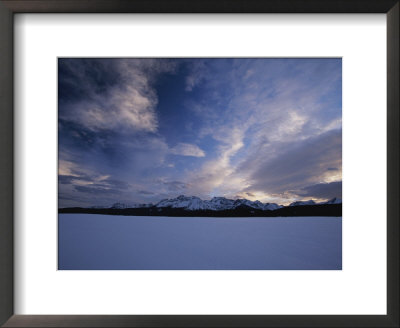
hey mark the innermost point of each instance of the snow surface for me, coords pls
(108, 242)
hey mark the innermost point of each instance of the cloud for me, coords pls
(281, 99)
(215, 175)
(197, 73)
(98, 190)
(296, 165)
(123, 156)
(145, 192)
(175, 185)
(185, 149)
(95, 190)
(112, 93)
(68, 179)
(322, 190)
(93, 182)
(80, 186)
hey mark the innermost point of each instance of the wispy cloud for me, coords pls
(186, 149)
(176, 185)
(215, 175)
(115, 93)
(197, 71)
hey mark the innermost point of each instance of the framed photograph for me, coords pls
(203, 164)
(176, 163)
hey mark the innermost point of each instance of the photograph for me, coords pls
(199, 163)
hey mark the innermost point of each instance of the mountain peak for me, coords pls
(301, 203)
(334, 200)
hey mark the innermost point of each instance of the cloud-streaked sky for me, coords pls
(141, 130)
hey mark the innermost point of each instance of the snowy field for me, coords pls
(107, 242)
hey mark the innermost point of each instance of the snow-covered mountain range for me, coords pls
(193, 203)
(215, 204)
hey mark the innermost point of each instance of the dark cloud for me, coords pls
(175, 185)
(302, 164)
(77, 136)
(68, 197)
(104, 186)
(111, 153)
(144, 192)
(65, 179)
(69, 179)
(322, 190)
(95, 190)
(116, 183)
(110, 94)
(105, 182)
(80, 78)
(332, 169)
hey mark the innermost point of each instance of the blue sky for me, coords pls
(141, 130)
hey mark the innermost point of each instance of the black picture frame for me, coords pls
(10, 7)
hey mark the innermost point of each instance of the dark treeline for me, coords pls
(244, 211)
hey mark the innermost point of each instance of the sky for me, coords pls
(141, 130)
